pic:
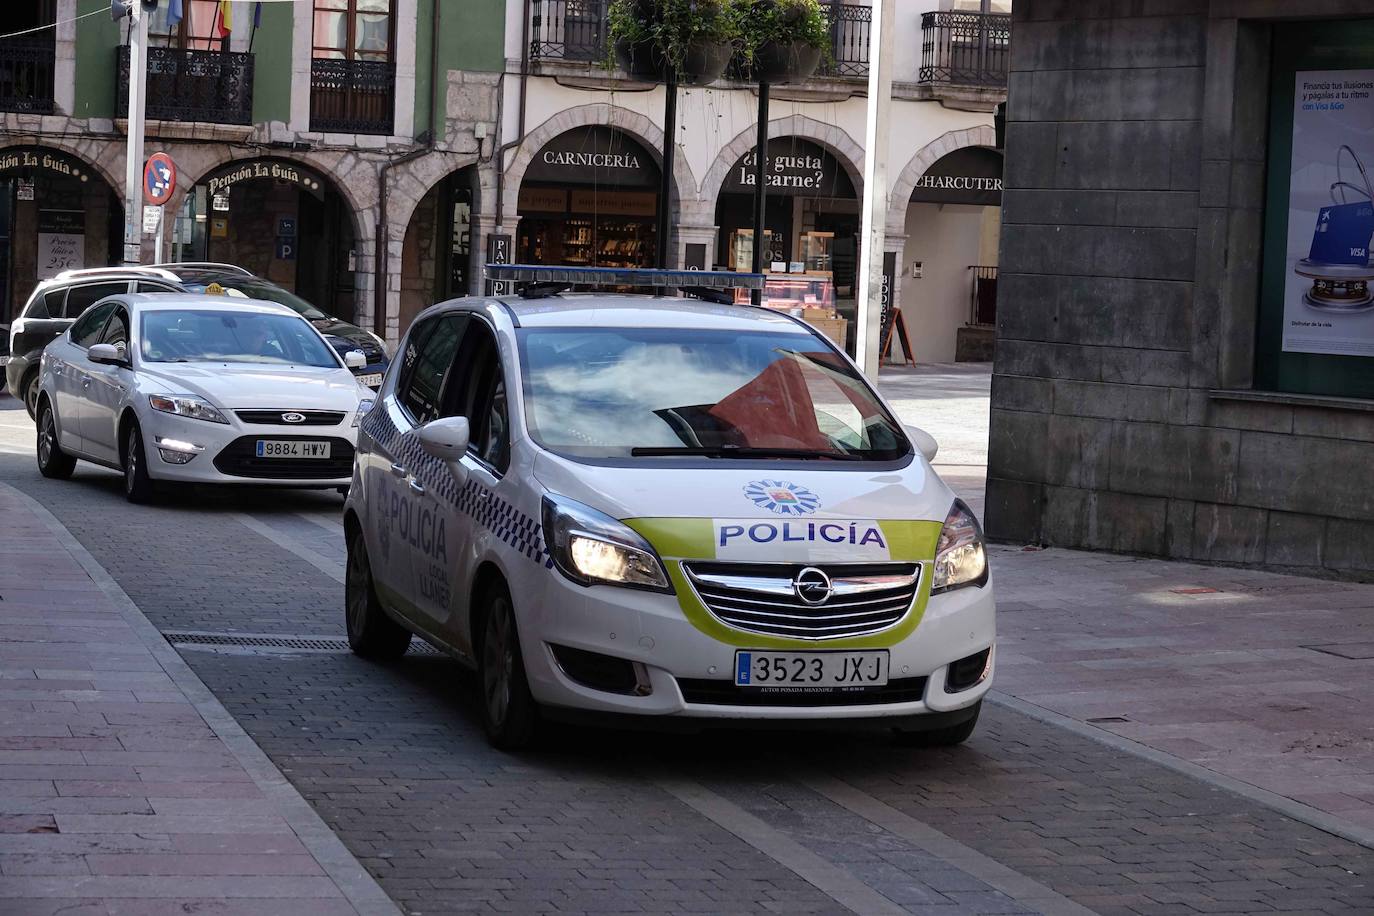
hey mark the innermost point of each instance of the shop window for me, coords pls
(1316, 318)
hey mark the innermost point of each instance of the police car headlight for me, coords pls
(960, 558)
(186, 405)
(591, 548)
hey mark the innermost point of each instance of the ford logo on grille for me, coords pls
(812, 586)
(293, 417)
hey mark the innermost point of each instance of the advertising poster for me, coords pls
(61, 242)
(1328, 303)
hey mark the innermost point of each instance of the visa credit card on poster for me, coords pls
(1342, 234)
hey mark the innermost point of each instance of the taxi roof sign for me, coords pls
(623, 276)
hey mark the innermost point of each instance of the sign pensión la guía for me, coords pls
(274, 170)
(24, 159)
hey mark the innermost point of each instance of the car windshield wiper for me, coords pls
(736, 451)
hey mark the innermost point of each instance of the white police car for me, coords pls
(662, 507)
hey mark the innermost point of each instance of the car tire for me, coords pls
(30, 389)
(510, 714)
(52, 461)
(941, 737)
(139, 487)
(371, 632)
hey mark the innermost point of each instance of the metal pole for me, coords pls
(760, 188)
(665, 187)
(133, 167)
(873, 235)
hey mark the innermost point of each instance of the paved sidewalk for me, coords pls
(1264, 678)
(125, 788)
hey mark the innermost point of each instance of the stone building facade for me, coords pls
(411, 159)
(1169, 378)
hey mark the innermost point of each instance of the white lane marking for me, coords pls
(835, 882)
(331, 568)
(330, 523)
(1020, 888)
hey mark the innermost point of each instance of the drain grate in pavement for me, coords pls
(273, 643)
(1352, 650)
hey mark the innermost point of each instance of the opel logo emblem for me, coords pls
(812, 586)
(293, 418)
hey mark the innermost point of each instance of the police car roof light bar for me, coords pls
(543, 275)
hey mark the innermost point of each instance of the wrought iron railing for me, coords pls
(352, 96)
(965, 49)
(983, 306)
(188, 85)
(26, 75)
(578, 30)
(849, 36)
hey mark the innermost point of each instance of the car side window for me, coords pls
(48, 305)
(87, 329)
(154, 288)
(427, 366)
(479, 393)
(117, 329)
(80, 298)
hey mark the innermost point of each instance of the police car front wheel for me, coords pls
(371, 633)
(509, 711)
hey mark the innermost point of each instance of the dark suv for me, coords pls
(56, 303)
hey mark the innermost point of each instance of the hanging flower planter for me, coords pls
(683, 41)
(785, 62)
(782, 41)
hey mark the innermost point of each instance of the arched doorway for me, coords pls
(953, 225)
(436, 259)
(589, 198)
(56, 213)
(279, 219)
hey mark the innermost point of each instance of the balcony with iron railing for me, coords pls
(966, 56)
(214, 87)
(26, 75)
(352, 96)
(577, 31)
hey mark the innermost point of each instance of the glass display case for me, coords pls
(794, 291)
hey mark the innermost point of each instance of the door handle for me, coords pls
(398, 470)
(416, 485)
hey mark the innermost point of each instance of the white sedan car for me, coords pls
(198, 389)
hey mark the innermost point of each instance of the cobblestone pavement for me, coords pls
(1026, 817)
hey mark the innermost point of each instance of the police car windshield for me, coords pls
(176, 336)
(667, 392)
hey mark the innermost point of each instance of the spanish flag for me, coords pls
(224, 19)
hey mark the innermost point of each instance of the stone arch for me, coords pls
(414, 180)
(601, 113)
(981, 135)
(834, 139)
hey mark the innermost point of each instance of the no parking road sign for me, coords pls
(159, 179)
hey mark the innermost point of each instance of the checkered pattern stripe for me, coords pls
(479, 503)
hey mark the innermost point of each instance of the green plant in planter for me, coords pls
(691, 41)
(782, 40)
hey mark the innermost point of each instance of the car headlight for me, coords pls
(960, 558)
(592, 548)
(363, 407)
(186, 405)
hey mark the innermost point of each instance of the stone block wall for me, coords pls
(1123, 413)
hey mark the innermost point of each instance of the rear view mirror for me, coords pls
(355, 359)
(107, 354)
(925, 443)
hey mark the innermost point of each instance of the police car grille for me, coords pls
(759, 598)
(274, 417)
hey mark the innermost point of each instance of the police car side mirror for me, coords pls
(446, 439)
(355, 359)
(925, 443)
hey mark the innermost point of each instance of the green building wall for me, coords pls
(97, 37)
(472, 36)
(272, 63)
